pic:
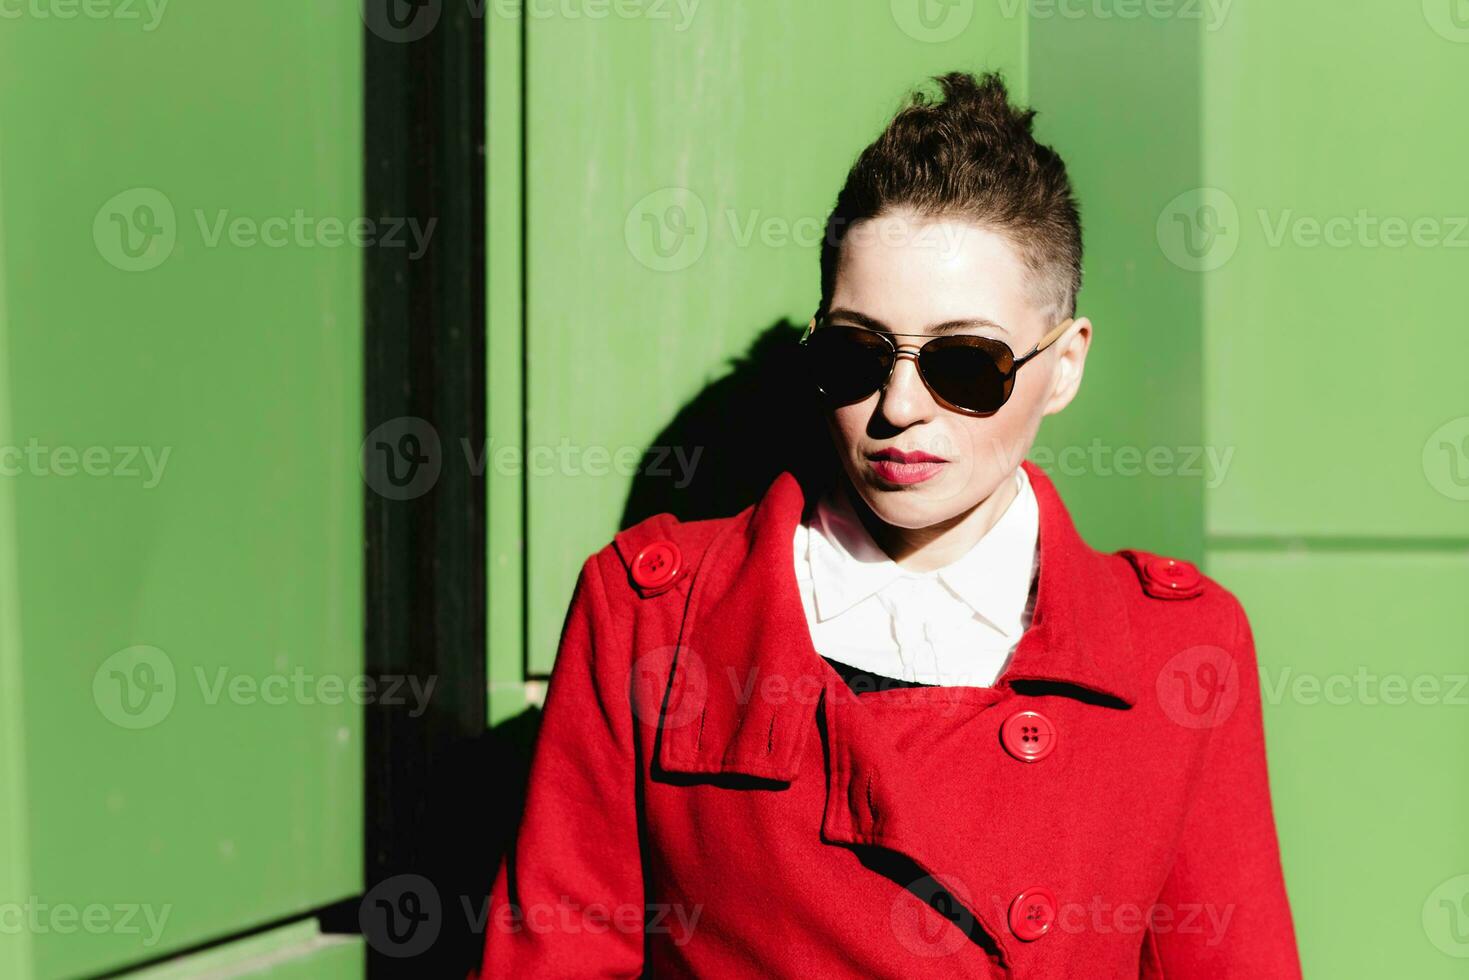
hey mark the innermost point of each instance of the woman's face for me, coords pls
(911, 274)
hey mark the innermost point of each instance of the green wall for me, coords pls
(1271, 196)
(195, 517)
(1128, 454)
(679, 171)
(295, 952)
(1288, 412)
(1335, 350)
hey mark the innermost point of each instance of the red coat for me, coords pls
(708, 798)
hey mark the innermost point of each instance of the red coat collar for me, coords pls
(747, 680)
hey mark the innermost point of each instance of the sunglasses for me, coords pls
(966, 374)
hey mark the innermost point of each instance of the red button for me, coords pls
(656, 565)
(1032, 913)
(1178, 574)
(1166, 578)
(1028, 735)
(1172, 576)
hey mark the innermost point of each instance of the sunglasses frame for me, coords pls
(909, 350)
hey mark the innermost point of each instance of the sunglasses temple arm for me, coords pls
(1047, 340)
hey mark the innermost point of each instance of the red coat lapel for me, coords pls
(747, 682)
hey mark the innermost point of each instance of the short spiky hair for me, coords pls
(970, 155)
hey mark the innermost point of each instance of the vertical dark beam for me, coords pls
(425, 512)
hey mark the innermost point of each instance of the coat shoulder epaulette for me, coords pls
(1165, 578)
(660, 553)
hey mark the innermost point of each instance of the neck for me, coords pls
(924, 549)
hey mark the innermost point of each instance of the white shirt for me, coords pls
(955, 625)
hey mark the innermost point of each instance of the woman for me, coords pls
(913, 724)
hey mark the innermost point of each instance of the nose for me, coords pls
(906, 399)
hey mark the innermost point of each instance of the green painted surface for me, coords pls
(1128, 453)
(1363, 669)
(1275, 253)
(295, 952)
(1336, 340)
(751, 171)
(679, 175)
(181, 417)
(505, 548)
(15, 946)
(1331, 237)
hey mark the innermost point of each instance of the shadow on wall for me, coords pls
(470, 818)
(760, 418)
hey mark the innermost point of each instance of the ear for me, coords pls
(1071, 351)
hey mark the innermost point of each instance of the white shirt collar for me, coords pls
(993, 578)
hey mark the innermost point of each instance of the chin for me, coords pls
(907, 517)
(914, 506)
(918, 505)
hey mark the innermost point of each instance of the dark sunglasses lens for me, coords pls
(971, 373)
(847, 364)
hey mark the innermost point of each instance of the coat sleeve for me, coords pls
(1223, 912)
(568, 896)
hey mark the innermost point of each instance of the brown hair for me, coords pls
(970, 155)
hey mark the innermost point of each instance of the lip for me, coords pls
(898, 456)
(896, 466)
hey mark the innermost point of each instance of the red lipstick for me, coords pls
(895, 466)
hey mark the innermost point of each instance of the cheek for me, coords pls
(977, 445)
(990, 445)
(986, 449)
(1032, 385)
(849, 423)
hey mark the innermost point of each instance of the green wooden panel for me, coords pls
(181, 508)
(1328, 234)
(504, 371)
(15, 946)
(679, 173)
(1363, 664)
(295, 952)
(1128, 454)
(1340, 217)
(335, 959)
